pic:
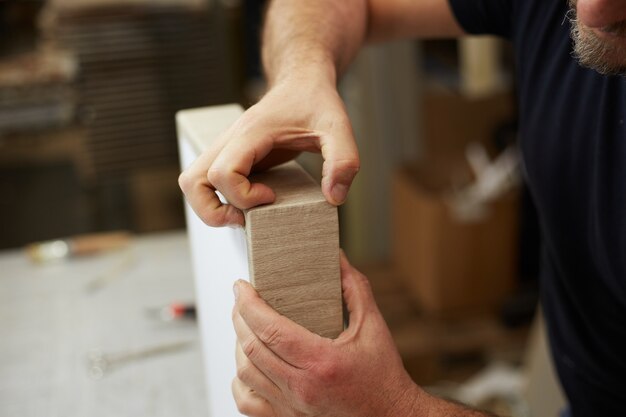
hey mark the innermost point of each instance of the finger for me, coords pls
(207, 205)
(288, 340)
(267, 362)
(249, 402)
(231, 168)
(251, 376)
(202, 198)
(341, 163)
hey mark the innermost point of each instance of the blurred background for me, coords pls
(438, 218)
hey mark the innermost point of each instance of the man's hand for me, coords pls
(296, 115)
(306, 47)
(285, 370)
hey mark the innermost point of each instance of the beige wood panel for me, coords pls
(293, 251)
(292, 244)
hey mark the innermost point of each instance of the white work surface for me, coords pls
(50, 321)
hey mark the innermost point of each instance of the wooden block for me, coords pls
(289, 251)
(293, 251)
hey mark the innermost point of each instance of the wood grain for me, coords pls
(292, 244)
(293, 251)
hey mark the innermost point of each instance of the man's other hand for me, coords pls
(294, 116)
(285, 370)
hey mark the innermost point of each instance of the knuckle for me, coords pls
(244, 404)
(215, 175)
(328, 372)
(244, 371)
(353, 166)
(185, 181)
(250, 347)
(305, 394)
(346, 169)
(271, 335)
(304, 390)
(243, 397)
(246, 123)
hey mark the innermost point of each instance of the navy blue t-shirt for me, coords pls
(573, 142)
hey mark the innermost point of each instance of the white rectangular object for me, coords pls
(219, 258)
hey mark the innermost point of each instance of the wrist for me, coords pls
(310, 68)
(313, 86)
(411, 401)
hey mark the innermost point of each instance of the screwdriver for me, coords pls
(174, 311)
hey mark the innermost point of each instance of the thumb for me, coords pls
(357, 292)
(341, 164)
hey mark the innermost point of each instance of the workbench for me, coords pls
(53, 317)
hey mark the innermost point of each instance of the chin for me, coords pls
(603, 52)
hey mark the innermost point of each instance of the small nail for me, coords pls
(236, 289)
(339, 192)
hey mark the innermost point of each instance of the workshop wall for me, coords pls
(88, 93)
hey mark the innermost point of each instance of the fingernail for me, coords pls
(236, 289)
(339, 192)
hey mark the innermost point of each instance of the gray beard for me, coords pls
(592, 52)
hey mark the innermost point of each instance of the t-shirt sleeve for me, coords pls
(484, 17)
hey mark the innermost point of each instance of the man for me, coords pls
(571, 61)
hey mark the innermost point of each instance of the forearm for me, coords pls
(317, 39)
(312, 38)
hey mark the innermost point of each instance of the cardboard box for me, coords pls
(452, 121)
(450, 267)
